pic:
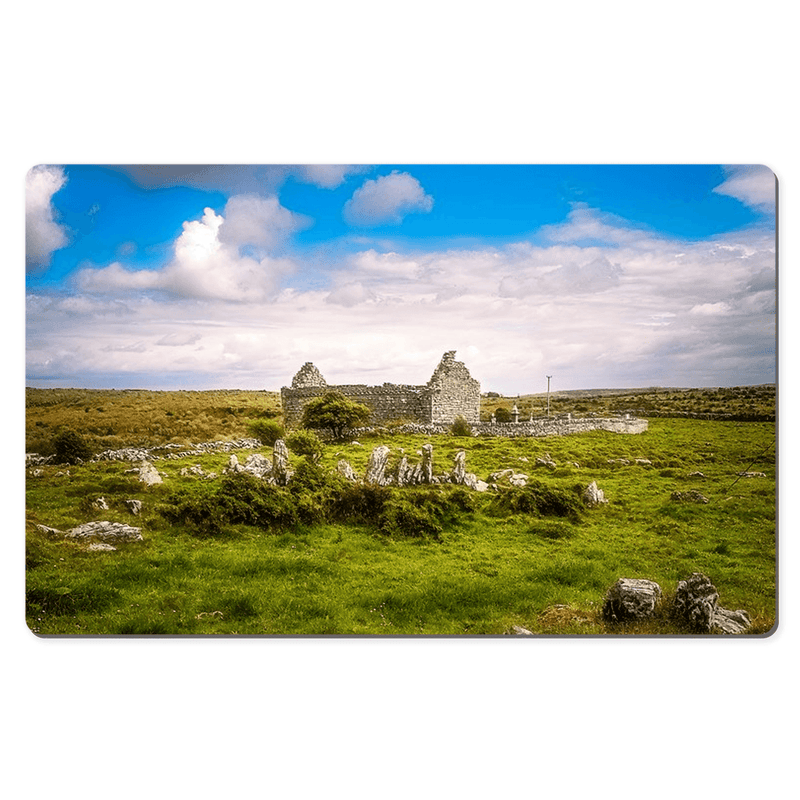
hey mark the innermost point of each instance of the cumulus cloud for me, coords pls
(349, 295)
(203, 266)
(386, 200)
(261, 222)
(586, 224)
(710, 309)
(43, 235)
(754, 185)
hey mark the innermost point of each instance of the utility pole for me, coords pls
(548, 394)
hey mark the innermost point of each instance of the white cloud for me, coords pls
(753, 185)
(386, 200)
(258, 221)
(43, 235)
(203, 267)
(326, 176)
(710, 309)
(350, 294)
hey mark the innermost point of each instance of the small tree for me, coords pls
(335, 412)
(71, 447)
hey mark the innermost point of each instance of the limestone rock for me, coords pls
(377, 466)
(427, 464)
(695, 602)
(730, 622)
(281, 473)
(459, 472)
(105, 532)
(258, 465)
(518, 630)
(404, 472)
(100, 504)
(52, 532)
(751, 474)
(692, 496)
(134, 506)
(631, 599)
(593, 496)
(344, 468)
(148, 474)
(510, 477)
(99, 546)
(196, 469)
(233, 467)
(546, 461)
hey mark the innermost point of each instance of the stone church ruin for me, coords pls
(451, 392)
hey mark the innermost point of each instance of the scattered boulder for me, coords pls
(510, 477)
(592, 496)
(644, 462)
(100, 504)
(699, 475)
(546, 461)
(751, 474)
(696, 606)
(100, 546)
(518, 630)
(196, 469)
(258, 465)
(730, 622)
(134, 506)
(631, 599)
(695, 602)
(692, 496)
(148, 474)
(105, 532)
(51, 532)
(376, 466)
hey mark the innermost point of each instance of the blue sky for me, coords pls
(232, 277)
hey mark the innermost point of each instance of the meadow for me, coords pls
(229, 556)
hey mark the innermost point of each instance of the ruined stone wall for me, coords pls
(542, 427)
(454, 392)
(451, 392)
(387, 402)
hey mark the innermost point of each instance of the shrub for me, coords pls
(539, 499)
(502, 414)
(461, 427)
(305, 443)
(334, 412)
(71, 448)
(268, 431)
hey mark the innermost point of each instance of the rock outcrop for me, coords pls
(376, 466)
(696, 606)
(592, 496)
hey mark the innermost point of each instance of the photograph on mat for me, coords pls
(406, 400)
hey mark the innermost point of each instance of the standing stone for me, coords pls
(344, 469)
(280, 463)
(459, 473)
(377, 465)
(696, 602)
(427, 463)
(593, 496)
(631, 599)
(404, 472)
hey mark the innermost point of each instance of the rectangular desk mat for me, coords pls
(425, 400)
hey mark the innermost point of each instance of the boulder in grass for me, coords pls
(696, 606)
(696, 602)
(109, 532)
(631, 599)
(592, 496)
(148, 474)
(730, 622)
(692, 496)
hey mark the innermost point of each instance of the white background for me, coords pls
(357, 82)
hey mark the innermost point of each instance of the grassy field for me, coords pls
(224, 557)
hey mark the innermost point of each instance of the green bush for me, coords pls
(539, 499)
(71, 448)
(461, 427)
(268, 431)
(305, 443)
(502, 414)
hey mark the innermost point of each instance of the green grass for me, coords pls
(491, 567)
